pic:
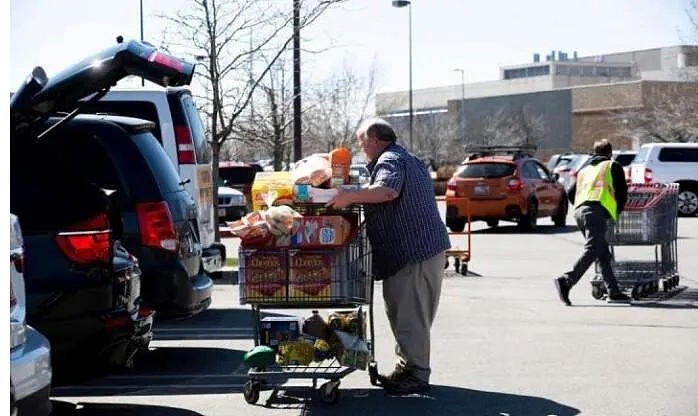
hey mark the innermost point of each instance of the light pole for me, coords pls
(462, 82)
(406, 3)
(142, 79)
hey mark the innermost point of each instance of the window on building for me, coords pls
(532, 71)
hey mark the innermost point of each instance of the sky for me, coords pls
(477, 37)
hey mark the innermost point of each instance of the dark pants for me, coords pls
(592, 222)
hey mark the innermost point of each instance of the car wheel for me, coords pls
(492, 223)
(688, 201)
(560, 217)
(456, 225)
(529, 221)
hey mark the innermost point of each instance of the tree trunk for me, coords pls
(216, 154)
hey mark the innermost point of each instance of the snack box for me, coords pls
(263, 275)
(322, 231)
(271, 188)
(310, 275)
(273, 330)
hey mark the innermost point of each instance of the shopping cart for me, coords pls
(351, 287)
(649, 219)
(460, 251)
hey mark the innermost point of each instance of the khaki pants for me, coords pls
(411, 299)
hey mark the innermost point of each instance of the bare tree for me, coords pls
(337, 105)
(435, 140)
(226, 36)
(669, 114)
(521, 127)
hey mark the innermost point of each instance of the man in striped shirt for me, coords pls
(408, 239)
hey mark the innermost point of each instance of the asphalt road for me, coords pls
(503, 344)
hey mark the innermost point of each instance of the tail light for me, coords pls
(185, 145)
(88, 241)
(514, 185)
(157, 227)
(451, 188)
(166, 60)
(648, 175)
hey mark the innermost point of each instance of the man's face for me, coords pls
(368, 145)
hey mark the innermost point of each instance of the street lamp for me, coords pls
(399, 4)
(141, 2)
(462, 82)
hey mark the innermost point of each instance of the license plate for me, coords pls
(221, 212)
(481, 190)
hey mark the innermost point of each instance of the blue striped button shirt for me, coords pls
(409, 228)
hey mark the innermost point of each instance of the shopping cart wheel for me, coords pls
(373, 373)
(635, 294)
(464, 268)
(597, 292)
(329, 392)
(251, 392)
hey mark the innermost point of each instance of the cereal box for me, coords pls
(271, 188)
(264, 276)
(309, 275)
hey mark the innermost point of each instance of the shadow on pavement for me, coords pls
(108, 409)
(442, 400)
(229, 323)
(541, 229)
(166, 371)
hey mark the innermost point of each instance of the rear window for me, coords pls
(625, 159)
(237, 174)
(678, 154)
(203, 153)
(486, 170)
(160, 164)
(641, 156)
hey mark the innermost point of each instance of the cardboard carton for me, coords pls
(264, 276)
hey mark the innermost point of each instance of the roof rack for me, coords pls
(475, 152)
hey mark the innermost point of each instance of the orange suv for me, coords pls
(501, 183)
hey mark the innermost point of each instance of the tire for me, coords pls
(560, 217)
(688, 200)
(329, 392)
(456, 225)
(529, 222)
(251, 392)
(492, 223)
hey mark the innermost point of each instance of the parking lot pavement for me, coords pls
(503, 344)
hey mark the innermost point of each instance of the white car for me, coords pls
(667, 163)
(232, 204)
(30, 352)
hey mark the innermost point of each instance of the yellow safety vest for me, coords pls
(595, 183)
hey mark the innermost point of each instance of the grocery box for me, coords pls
(271, 188)
(322, 230)
(273, 330)
(309, 275)
(263, 275)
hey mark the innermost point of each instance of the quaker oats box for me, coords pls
(264, 276)
(309, 275)
(315, 231)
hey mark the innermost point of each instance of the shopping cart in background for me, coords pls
(649, 219)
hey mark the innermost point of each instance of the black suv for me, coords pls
(83, 287)
(156, 216)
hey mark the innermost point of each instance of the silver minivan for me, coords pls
(30, 352)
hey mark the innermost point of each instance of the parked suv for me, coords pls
(83, 288)
(667, 163)
(238, 176)
(30, 352)
(179, 130)
(156, 216)
(491, 187)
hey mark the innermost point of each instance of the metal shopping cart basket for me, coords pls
(649, 219)
(350, 285)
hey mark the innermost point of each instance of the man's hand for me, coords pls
(342, 200)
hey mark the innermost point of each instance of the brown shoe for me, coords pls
(398, 373)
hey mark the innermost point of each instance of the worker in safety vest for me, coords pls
(601, 192)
